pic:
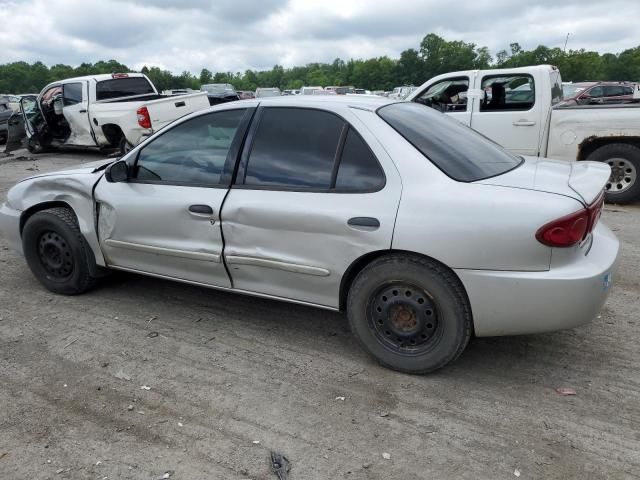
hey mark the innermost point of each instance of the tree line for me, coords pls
(435, 55)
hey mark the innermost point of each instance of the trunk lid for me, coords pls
(583, 180)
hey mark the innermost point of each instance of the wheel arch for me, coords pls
(360, 263)
(591, 144)
(46, 205)
(113, 133)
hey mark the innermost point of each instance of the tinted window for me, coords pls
(359, 169)
(449, 95)
(72, 93)
(627, 90)
(454, 148)
(613, 91)
(194, 152)
(123, 87)
(595, 92)
(294, 147)
(512, 93)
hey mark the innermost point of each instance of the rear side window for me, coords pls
(295, 148)
(359, 169)
(454, 148)
(71, 93)
(123, 87)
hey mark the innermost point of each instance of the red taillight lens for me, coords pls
(144, 120)
(573, 228)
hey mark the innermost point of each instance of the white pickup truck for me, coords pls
(516, 108)
(105, 111)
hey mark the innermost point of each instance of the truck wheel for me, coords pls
(56, 252)
(411, 314)
(624, 160)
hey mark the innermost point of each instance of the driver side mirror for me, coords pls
(117, 172)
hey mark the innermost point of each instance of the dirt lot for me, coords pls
(232, 378)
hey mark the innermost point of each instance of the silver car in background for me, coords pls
(423, 231)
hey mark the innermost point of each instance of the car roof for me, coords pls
(357, 101)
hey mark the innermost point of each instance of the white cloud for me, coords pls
(234, 35)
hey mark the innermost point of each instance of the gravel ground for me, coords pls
(232, 377)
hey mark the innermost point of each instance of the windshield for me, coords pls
(570, 91)
(457, 150)
(123, 87)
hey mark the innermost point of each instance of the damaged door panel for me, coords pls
(75, 110)
(16, 135)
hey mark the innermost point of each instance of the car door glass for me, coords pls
(71, 94)
(192, 153)
(359, 169)
(294, 148)
(596, 92)
(507, 93)
(448, 95)
(613, 91)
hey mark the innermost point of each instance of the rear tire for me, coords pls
(57, 253)
(624, 159)
(410, 313)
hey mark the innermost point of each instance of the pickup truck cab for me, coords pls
(519, 108)
(98, 111)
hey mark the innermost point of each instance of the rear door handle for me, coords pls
(364, 223)
(524, 123)
(82, 111)
(201, 209)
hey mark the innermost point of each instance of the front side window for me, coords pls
(448, 95)
(294, 148)
(510, 93)
(71, 94)
(596, 92)
(192, 153)
(457, 150)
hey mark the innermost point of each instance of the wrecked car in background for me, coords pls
(97, 111)
(5, 114)
(220, 93)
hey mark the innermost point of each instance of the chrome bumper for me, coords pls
(515, 303)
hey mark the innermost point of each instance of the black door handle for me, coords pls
(368, 222)
(201, 209)
(82, 111)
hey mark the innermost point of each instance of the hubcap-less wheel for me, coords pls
(404, 318)
(623, 175)
(55, 255)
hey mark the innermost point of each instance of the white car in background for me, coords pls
(420, 229)
(268, 92)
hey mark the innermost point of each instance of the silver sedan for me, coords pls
(423, 231)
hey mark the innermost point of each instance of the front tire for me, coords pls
(410, 313)
(624, 159)
(57, 253)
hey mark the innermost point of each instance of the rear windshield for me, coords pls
(457, 150)
(123, 87)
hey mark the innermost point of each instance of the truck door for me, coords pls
(452, 95)
(75, 111)
(510, 111)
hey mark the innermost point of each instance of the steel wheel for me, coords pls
(404, 318)
(55, 255)
(623, 175)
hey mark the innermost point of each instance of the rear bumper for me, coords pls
(10, 227)
(514, 303)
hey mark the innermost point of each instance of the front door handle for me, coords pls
(201, 209)
(364, 223)
(524, 123)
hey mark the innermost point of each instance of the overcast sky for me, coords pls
(234, 35)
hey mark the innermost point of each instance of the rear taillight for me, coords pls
(573, 228)
(144, 120)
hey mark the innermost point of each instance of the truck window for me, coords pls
(449, 95)
(511, 93)
(123, 87)
(71, 93)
